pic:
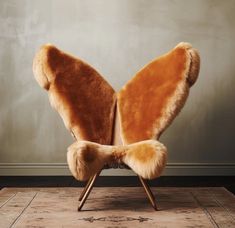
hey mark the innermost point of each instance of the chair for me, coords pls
(117, 129)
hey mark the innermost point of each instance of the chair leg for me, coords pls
(88, 190)
(148, 192)
(85, 189)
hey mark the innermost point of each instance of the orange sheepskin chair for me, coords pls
(117, 128)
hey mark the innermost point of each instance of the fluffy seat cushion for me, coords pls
(149, 102)
(146, 158)
(78, 92)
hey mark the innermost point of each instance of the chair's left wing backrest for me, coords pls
(148, 103)
(78, 92)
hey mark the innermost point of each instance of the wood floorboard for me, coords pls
(120, 207)
(14, 207)
(220, 215)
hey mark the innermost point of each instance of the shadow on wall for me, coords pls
(205, 128)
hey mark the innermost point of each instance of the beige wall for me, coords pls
(117, 37)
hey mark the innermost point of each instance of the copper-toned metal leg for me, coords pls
(88, 190)
(148, 192)
(85, 189)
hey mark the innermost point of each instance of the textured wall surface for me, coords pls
(117, 37)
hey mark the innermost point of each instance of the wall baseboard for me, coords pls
(172, 169)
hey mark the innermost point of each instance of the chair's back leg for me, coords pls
(148, 192)
(88, 190)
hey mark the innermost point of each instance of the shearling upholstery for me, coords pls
(79, 93)
(146, 106)
(147, 158)
(149, 102)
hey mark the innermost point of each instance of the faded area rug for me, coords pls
(117, 207)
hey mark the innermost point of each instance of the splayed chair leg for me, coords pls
(148, 192)
(87, 190)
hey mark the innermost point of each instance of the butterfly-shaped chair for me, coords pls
(117, 129)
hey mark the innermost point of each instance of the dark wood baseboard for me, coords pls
(117, 181)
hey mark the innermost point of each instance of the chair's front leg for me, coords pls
(85, 189)
(88, 190)
(148, 192)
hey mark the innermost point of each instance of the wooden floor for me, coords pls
(117, 207)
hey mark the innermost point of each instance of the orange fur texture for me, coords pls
(146, 106)
(146, 158)
(79, 93)
(150, 101)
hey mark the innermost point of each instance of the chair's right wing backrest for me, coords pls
(149, 102)
(84, 100)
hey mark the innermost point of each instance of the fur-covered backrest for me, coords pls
(146, 105)
(79, 93)
(149, 102)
